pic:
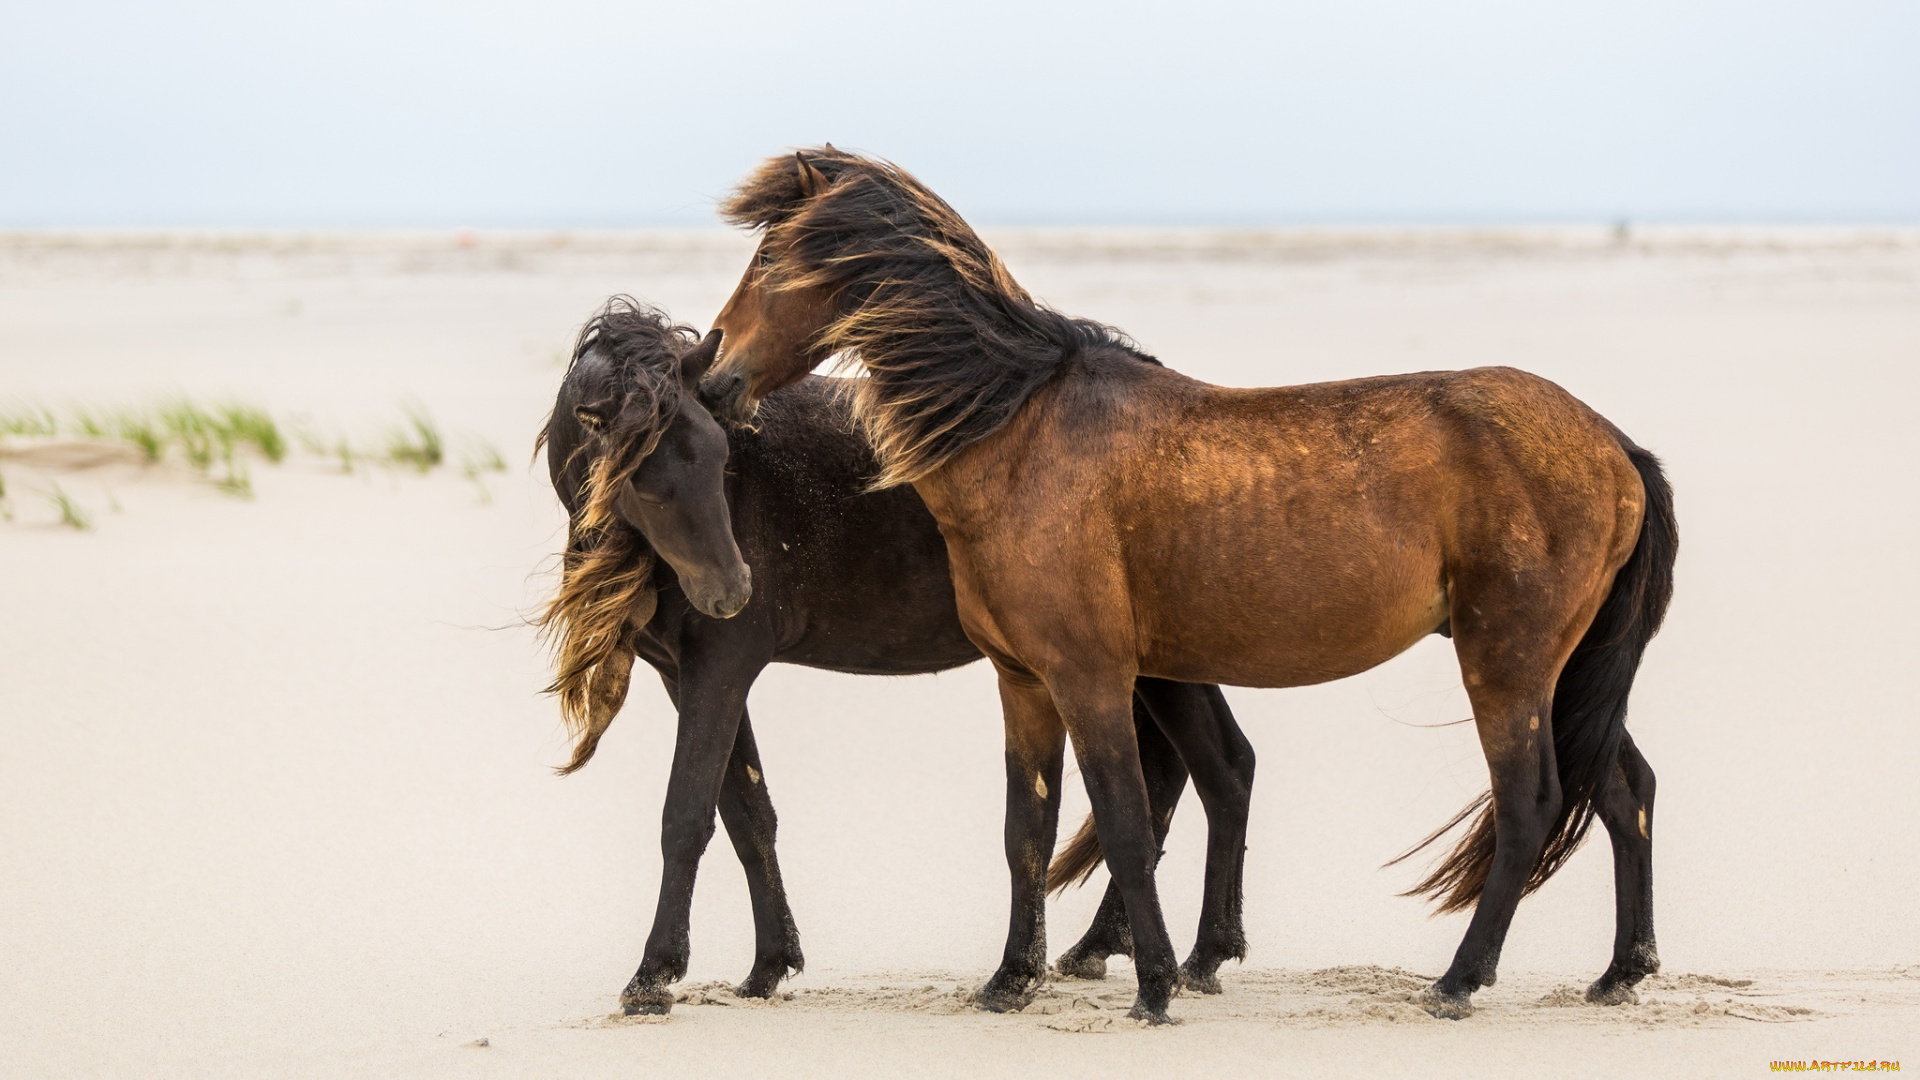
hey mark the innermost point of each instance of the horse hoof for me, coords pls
(767, 975)
(1613, 991)
(1070, 966)
(1008, 991)
(757, 986)
(1151, 1016)
(634, 1006)
(1199, 982)
(1455, 1005)
(1002, 1001)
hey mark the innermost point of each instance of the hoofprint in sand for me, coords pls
(1354, 996)
(274, 796)
(1333, 1021)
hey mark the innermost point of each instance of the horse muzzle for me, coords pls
(725, 598)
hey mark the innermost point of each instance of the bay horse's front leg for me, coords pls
(746, 809)
(1035, 749)
(1198, 719)
(1626, 808)
(711, 695)
(1098, 716)
(1166, 776)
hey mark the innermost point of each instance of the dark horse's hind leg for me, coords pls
(746, 810)
(711, 695)
(1109, 934)
(1626, 807)
(1185, 726)
(1218, 754)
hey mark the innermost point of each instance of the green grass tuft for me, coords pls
(238, 482)
(250, 424)
(482, 456)
(194, 431)
(142, 433)
(33, 420)
(72, 514)
(216, 441)
(418, 443)
(93, 425)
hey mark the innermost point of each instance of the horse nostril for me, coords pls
(722, 391)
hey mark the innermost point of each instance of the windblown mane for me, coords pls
(951, 344)
(606, 589)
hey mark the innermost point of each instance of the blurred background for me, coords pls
(585, 113)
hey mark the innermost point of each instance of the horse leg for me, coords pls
(1201, 726)
(746, 809)
(1516, 734)
(1035, 748)
(1166, 777)
(1626, 808)
(712, 689)
(1095, 710)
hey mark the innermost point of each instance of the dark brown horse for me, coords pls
(844, 578)
(1108, 518)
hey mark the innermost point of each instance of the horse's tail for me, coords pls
(1589, 706)
(1076, 860)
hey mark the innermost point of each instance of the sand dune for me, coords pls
(274, 794)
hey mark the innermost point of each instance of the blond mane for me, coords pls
(606, 592)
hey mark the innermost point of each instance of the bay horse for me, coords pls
(1108, 518)
(843, 578)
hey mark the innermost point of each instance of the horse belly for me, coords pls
(1315, 608)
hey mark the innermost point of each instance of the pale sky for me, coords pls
(592, 113)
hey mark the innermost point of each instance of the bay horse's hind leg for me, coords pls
(1626, 808)
(746, 809)
(1516, 733)
(1166, 776)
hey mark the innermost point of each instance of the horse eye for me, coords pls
(648, 497)
(766, 258)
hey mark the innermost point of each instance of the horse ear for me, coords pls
(812, 183)
(591, 418)
(694, 364)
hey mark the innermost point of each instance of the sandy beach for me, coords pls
(275, 772)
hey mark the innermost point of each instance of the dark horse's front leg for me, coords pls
(746, 809)
(711, 695)
(1182, 726)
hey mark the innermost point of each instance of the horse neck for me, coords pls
(973, 483)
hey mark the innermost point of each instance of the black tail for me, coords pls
(1589, 706)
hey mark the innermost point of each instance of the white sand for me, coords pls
(273, 787)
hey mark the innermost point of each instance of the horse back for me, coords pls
(1290, 535)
